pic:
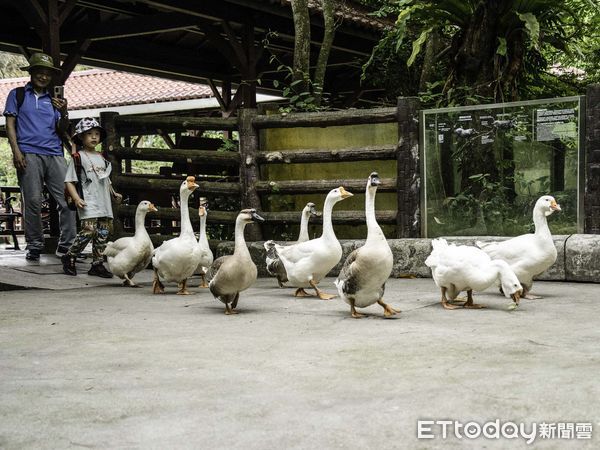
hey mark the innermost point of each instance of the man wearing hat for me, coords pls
(34, 120)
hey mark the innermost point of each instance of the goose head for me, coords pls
(249, 215)
(203, 207)
(338, 194)
(146, 206)
(373, 181)
(508, 280)
(310, 210)
(187, 187)
(547, 204)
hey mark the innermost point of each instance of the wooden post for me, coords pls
(248, 168)
(107, 120)
(592, 157)
(408, 179)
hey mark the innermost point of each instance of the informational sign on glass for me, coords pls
(485, 166)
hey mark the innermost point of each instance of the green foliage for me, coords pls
(299, 92)
(8, 174)
(528, 39)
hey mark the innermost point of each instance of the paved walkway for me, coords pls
(87, 363)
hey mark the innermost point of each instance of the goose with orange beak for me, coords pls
(307, 263)
(528, 255)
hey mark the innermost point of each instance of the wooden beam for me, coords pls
(230, 159)
(376, 153)
(408, 224)
(165, 136)
(66, 10)
(217, 94)
(326, 119)
(149, 124)
(238, 48)
(175, 214)
(52, 34)
(338, 217)
(135, 26)
(249, 173)
(322, 186)
(33, 12)
(156, 184)
(73, 59)
(222, 45)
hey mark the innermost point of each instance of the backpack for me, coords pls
(78, 170)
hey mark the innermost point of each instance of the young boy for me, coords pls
(92, 197)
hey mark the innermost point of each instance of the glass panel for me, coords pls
(485, 166)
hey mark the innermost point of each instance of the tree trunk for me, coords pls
(301, 43)
(329, 32)
(474, 61)
(428, 70)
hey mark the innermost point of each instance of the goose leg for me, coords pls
(445, 303)
(157, 286)
(300, 292)
(320, 293)
(235, 300)
(528, 296)
(470, 304)
(355, 314)
(388, 311)
(203, 283)
(228, 310)
(183, 288)
(129, 282)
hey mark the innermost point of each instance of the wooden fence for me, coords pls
(244, 181)
(242, 168)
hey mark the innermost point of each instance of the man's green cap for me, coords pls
(41, 60)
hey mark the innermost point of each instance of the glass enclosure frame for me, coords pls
(424, 151)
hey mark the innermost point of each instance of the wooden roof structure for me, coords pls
(226, 43)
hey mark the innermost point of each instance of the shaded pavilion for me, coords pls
(228, 44)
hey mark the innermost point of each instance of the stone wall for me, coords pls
(578, 256)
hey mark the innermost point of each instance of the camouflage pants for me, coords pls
(96, 230)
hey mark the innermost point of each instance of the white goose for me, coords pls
(206, 255)
(129, 255)
(529, 254)
(229, 275)
(273, 263)
(307, 263)
(465, 268)
(361, 281)
(177, 258)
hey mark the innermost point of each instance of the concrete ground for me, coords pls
(87, 363)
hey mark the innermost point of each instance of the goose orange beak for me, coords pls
(555, 206)
(152, 207)
(345, 193)
(516, 297)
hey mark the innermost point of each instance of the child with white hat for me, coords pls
(88, 184)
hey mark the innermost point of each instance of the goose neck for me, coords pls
(186, 224)
(541, 223)
(303, 235)
(327, 221)
(140, 216)
(240, 241)
(373, 229)
(202, 225)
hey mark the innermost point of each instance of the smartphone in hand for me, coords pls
(59, 91)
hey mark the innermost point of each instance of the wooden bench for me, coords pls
(9, 215)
